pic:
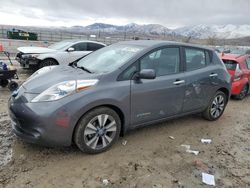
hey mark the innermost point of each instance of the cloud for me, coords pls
(170, 13)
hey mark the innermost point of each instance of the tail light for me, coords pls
(238, 73)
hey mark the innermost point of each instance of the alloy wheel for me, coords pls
(100, 131)
(218, 106)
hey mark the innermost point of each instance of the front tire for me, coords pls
(216, 107)
(98, 130)
(47, 62)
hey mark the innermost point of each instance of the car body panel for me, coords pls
(35, 50)
(156, 99)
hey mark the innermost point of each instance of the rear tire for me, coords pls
(216, 107)
(243, 93)
(4, 83)
(97, 131)
(47, 62)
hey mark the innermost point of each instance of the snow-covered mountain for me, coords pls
(217, 31)
(133, 28)
(198, 31)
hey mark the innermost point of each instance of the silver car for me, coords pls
(116, 89)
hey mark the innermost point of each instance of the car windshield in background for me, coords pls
(109, 58)
(231, 65)
(60, 45)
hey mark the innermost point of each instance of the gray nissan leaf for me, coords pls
(116, 89)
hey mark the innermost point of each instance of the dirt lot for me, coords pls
(149, 159)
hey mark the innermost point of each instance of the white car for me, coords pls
(61, 53)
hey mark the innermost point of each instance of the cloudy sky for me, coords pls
(170, 13)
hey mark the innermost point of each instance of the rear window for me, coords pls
(231, 65)
(94, 46)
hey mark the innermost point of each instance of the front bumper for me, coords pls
(40, 123)
(27, 62)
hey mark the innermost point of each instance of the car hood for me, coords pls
(39, 83)
(35, 50)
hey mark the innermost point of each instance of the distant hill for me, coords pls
(201, 34)
(198, 31)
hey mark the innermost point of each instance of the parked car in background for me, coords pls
(116, 89)
(61, 53)
(238, 67)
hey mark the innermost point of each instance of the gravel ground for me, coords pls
(150, 158)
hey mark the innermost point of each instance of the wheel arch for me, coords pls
(111, 106)
(226, 91)
(52, 58)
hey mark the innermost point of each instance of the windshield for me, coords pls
(60, 45)
(109, 58)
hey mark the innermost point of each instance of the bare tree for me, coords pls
(211, 40)
(187, 39)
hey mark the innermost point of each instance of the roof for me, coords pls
(151, 43)
(235, 57)
(80, 40)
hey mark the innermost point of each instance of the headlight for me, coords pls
(30, 55)
(64, 89)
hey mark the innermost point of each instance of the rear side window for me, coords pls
(94, 46)
(230, 65)
(248, 62)
(80, 46)
(195, 59)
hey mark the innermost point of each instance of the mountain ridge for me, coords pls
(202, 31)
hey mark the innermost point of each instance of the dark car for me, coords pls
(116, 89)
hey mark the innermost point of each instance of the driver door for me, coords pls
(163, 96)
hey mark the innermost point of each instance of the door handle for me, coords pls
(178, 82)
(213, 75)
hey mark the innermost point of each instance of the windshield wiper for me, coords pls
(85, 69)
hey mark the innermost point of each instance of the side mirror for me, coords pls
(146, 74)
(71, 49)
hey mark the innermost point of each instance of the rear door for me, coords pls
(160, 97)
(199, 75)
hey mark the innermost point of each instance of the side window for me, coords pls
(80, 46)
(94, 46)
(195, 59)
(248, 62)
(164, 61)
